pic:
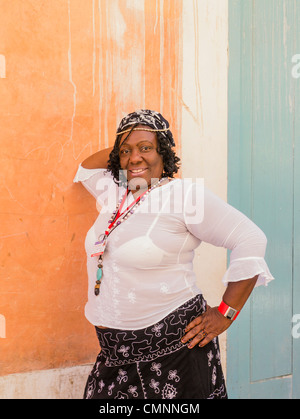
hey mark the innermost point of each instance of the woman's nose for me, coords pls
(135, 156)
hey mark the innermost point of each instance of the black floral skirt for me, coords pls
(153, 363)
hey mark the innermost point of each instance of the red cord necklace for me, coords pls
(116, 219)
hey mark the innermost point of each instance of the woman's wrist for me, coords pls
(229, 312)
(237, 293)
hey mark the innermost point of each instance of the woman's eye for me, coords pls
(145, 148)
(142, 149)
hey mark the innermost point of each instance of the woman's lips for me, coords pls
(137, 172)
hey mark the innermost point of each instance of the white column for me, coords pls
(204, 122)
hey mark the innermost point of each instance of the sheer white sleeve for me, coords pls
(99, 182)
(222, 225)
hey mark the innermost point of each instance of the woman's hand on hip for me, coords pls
(205, 327)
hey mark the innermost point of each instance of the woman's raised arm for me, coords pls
(97, 160)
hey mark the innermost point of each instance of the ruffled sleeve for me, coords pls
(99, 182)
(245, 268)
(223, 225)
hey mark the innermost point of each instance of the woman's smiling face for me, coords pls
(139, 157)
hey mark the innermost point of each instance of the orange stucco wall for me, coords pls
(72, 70)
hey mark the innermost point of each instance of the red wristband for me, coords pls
(227, 311)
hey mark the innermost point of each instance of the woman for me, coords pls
(158, 337)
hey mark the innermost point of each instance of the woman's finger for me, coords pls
(198, 338)
(197, 320)
(193, 331)
(193, 324)
(207, 339)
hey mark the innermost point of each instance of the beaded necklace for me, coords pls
(116, 219)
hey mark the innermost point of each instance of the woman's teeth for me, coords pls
(137, 170)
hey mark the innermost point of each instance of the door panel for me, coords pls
(272, 184)
(263, 181)
(296, 254)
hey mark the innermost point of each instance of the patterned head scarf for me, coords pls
(154, 120)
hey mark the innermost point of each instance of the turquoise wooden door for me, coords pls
(263, 355)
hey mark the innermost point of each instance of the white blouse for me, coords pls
(148, 260)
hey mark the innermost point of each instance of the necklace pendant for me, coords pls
(97, 289)
(99, 273)
(98, 282)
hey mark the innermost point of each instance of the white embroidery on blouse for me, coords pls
(132, 296)
(164, 289)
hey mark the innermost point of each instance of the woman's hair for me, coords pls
(171, 162)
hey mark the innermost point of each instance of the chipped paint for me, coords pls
(74, 71)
